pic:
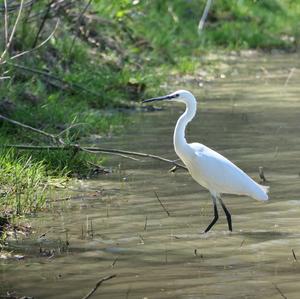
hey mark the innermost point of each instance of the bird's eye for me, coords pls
(176, 95)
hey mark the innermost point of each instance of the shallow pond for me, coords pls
(116, 225)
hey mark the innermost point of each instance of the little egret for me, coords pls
(207, 167)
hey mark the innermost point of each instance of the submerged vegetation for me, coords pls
(91, 61)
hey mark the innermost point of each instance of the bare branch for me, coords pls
(12, 7)
(111, 153)
(77, 24)
(4, 77)
(12, 32)
(102, 150)
(70, 127)
(279, 291)
(92, 150)
(42, 23)
(98, 285)
(289, 76)
(168, 213)
(204, 16)
(37, 47)
(5, 22)
(14, 122)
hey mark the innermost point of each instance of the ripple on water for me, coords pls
(253, 119)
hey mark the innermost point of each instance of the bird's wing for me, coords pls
(221, 175)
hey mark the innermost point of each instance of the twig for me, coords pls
(28, 12)
(161, 204)
(117, 154)
(135, 154)
(279, 291)
(91, 150)
(114, 262)
(70, 127)
(37, 47)
(63, 146)
(204, 16)
(261, 174)
(294, 255)
(7, 46)
(4, 77)
(14, 122)
(45, 233)
(61, 199)
(142, 240)
(16, 6)
(5, 22)
(76, 25)
(289, 76)
(42, 23)
(98, 285)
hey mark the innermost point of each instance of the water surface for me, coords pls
(115, 224)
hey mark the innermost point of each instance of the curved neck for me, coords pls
(179, 133)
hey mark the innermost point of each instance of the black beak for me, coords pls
(168, 97)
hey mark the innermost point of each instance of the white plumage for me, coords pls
(219, 175)
(207, 167)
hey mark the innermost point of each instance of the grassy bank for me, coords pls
(23, 181)
(102, 59)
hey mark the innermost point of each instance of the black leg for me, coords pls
(216, 216)
(228, 215)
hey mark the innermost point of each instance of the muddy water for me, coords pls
(115, 225)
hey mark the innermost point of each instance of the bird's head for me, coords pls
(182, 96)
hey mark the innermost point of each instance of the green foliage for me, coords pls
(110, 59)
(253, 24)
(170, 27)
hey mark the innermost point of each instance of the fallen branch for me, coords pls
(92, 150)
(62, 145)
(112, 153)
(98, 285)
(103, 150)
(14, 122)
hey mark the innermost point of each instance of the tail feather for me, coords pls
(262, 193)
(265, 188)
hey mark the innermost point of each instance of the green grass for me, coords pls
(23, 182)
(253, 24)
(124, 53)
(170, 27)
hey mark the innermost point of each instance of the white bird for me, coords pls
(207, 167)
